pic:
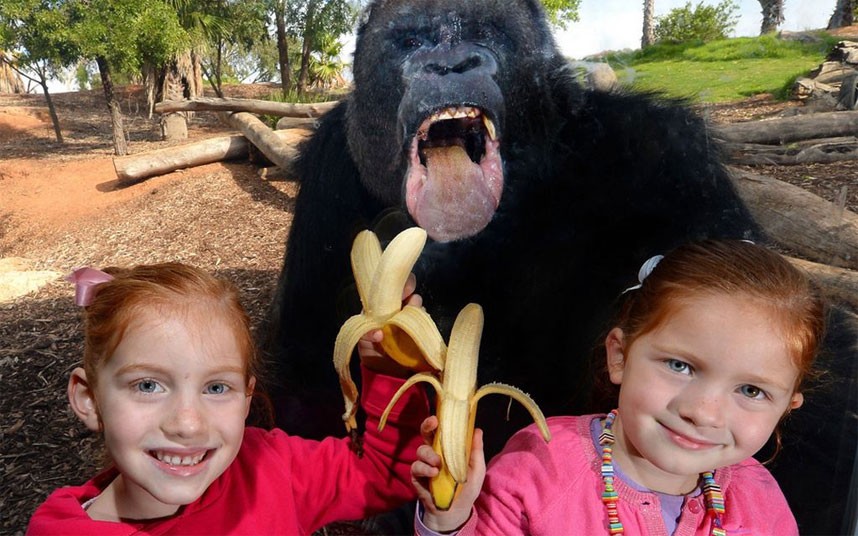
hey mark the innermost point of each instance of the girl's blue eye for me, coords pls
(678, 366)
(217, 389)
(148, 386)
(752, 391)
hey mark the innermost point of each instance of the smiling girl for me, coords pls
(168, 375)
(709, 353)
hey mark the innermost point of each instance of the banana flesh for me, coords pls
(410, 335)
(457, 404)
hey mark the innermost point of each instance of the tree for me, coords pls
(122, 35)
(648, 37)
(561, 12)
(312, 21)
(844, 14)
(773, 15)
(35, 36)
(703, 23)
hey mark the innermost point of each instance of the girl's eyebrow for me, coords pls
(756, 379)
(147, 367)
(141, 367)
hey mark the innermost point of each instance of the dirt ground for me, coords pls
(60, 208)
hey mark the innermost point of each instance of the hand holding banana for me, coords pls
(410, 336)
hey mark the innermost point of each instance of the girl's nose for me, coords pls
(702, 406)
(185, 420)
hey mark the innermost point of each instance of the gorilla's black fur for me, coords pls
(593, 184)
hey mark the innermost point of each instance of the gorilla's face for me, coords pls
(445, 81)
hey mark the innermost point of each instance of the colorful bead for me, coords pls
(711, 490)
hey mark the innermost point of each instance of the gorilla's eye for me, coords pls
(411, 42)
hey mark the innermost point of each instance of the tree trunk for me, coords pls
(278, 146)
(648, 37)
(837, 283)
(283, 48)
(134, 168)
(304, 74)
(55, 121)
(177, 86)
(843, 14)
(773, 15)
(307, 47)
(263, 107)
(825, 151)
(799, 220)
(788, 129)
(120, 145)
(130, 169)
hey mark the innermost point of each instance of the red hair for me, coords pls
(168, 287)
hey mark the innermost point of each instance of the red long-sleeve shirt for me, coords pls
(278, 484)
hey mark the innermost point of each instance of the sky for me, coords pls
(617, 24)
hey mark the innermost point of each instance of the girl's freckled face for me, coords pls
(173, 399)
(704, 390)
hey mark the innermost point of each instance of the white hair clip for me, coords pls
(646, 269)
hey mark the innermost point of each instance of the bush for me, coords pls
(704, 23)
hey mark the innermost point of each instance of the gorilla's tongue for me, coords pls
(455, 201)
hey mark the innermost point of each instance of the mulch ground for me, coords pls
(221, 217)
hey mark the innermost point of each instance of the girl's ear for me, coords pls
(615, 350)
(82, 400)
(797, 401)
(251, 385)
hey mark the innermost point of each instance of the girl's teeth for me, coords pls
(179, 460)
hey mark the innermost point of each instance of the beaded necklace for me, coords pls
(711, 491)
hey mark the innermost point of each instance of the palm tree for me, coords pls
(773, 15)
(648, 37)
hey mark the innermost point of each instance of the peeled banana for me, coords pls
(410, 336)
(457, 404)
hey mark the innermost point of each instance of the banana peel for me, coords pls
(411, 337)
(457, 404)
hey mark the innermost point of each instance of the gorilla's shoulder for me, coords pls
(649, 129)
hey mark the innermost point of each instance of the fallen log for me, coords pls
(134, 168)
(788, 129)
(839, 284)
(296, 122)
(280, 149)
(799, 220)
(246, 105)
(810, 151)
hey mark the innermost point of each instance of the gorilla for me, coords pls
(541, 199)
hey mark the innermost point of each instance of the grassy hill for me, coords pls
(721, 71)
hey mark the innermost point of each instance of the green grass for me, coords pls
(721, 71)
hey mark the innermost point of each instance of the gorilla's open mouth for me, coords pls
(455, 173)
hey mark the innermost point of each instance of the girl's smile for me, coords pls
(688, 442)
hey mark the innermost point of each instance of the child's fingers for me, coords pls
(427, 455)
(421, 469)
(428, 427)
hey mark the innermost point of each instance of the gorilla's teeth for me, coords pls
(490, 128)
(455, 113)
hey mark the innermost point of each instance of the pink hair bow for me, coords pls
(85, 281)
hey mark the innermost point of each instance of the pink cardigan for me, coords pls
(278, 484)
(555, 489)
